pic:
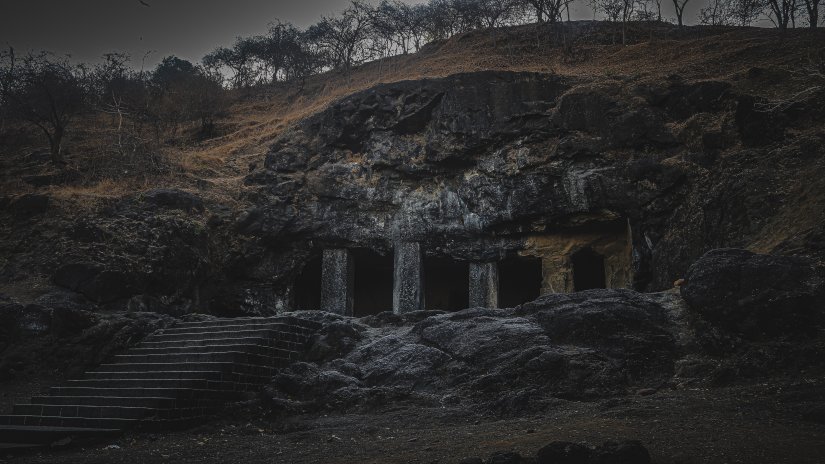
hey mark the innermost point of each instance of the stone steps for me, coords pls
(60, 421)
(125, 412)
(18, 435)
(229, 328)
(223, 366)
(206, 356)
(194, 342)
(217, 333)
(249, 348)
(168, 375)
(126, 401)
(149, 384)
(176, 377)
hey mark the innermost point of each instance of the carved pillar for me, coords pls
(484, 285)
(408, 278)
(337, 281)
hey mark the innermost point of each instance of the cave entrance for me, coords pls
(588, 270)
(373, 282)
(519, 280)
(446, 284)
(307, 286)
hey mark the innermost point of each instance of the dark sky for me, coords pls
(86, 29)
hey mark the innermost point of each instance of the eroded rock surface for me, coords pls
(588, 345)
(583, 346)
(757, 295)
(472, 166)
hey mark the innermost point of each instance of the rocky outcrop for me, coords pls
(583, 346)
(757, 295)
(60, 333)
(589, 345)
(471, 165)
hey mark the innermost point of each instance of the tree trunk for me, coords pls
(55, 142)
(813, 13)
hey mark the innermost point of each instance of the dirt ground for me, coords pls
(755, 424)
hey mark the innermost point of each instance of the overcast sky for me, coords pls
(86, 29)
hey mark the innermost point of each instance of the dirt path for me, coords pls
(736, 425)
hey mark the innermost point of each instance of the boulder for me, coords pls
(756, 295)
(30, 204)
(173, 199)
(587, 345)
(505, 457)
(94, 282)
(562, 452)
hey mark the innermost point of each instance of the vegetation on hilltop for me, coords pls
(177, 125)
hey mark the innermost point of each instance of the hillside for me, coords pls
(258, 115)
(525, 234)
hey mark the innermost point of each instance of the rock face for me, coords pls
(472, 167)
(756, 295)
(582, 346)
(60, 333)
(560, 452)
(586, 345)
(477, 166)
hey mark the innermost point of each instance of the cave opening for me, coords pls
(588, 270)
(307, 286)
(446, 284)
(520, 279)
(373, 282)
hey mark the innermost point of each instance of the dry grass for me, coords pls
(216, 168)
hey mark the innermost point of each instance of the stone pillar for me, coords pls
(337, 281)
(484, 285)
(408, 278)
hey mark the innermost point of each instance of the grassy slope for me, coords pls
(216, 168)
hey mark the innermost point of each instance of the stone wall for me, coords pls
(555, 250)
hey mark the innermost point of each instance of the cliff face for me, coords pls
(477, 165)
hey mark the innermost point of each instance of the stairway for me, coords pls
(176, 377)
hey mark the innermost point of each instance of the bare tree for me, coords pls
(344, 38)
(239, 59)
(185, 92)
(731, 12)
(271, 50)
(715, 13)
(617, 10)
(546, 10)
(7, 72)
(812, 8)
(781, 12)
(442, 20)
(679, 5)
(47, 92)
(496, 13)
(391, 23)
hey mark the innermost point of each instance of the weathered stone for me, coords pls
(337, 279)
(484, 285)
(505, 457)
(173, 199)
(408, 279)
(74, 275)
(756, 295)
(29, 204)
(563, 452)
(585, 345)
